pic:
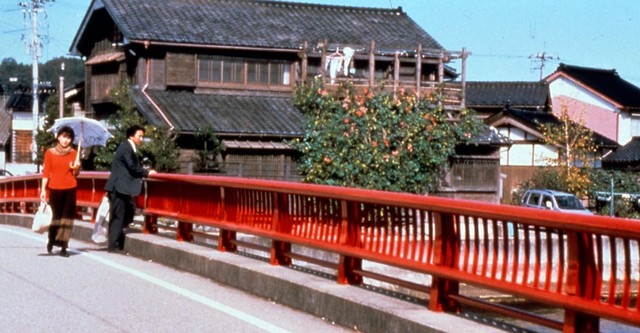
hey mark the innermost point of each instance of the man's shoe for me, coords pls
(117, 250)
(49, 247)
(63, 253)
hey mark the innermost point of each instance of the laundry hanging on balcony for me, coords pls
(337, 62)
(348, 54)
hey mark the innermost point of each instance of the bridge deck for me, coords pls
(347, 305)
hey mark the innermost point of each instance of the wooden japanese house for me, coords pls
(233, 65)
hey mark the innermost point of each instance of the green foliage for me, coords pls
(622, 208)
(161, 150)
(44, 138)
(125, 117)
(207, 150)
(624, 181)
(47, 72)
(627, 181)
(377, 140)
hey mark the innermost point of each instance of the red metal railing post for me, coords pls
(349, 235)
(227, 238)
(281, 224)
(94, 214)
(149, 226)
(582, 276)
(446, 254)
(184, 232)
(226, 241)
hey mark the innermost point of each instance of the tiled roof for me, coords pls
(5, 126)
(489, 136)
(605, 81)
(500, 94)
(532, 119)
(226, 114)
(629, 153)
(20, 100)
(265, 24)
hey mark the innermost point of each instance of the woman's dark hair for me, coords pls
(131, 131)
(66, 130)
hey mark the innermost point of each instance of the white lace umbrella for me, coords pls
(90, 131)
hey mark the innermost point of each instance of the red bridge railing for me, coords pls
(588, 266)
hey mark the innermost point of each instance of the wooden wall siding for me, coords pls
(475, 174)
(490, 197)
(140, 73)
(22, 146)
(157, 73)
(513, 177)
(102, 46)
(276, 166)
(101, 85)
(469, 174)
(181, 69)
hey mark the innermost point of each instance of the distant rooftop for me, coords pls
(607, 82)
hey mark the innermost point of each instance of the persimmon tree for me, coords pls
(576, 151)
(378, 140)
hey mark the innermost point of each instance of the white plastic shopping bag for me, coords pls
(42, 219)
(101, 227)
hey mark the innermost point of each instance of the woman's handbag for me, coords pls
(42, 220)
(101, 227)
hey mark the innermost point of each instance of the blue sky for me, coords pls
(502, 35)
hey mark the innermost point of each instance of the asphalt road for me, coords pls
(96, 291)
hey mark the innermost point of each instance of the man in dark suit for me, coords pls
(124, 183)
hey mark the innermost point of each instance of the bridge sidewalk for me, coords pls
(348, 306)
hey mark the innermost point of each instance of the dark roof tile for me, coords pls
(226, 114)
(501, 94)
(629, 153)
(269, 24)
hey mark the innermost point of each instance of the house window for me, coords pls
(233, 71)
(258, 72)
(210, 69)
(243, 71)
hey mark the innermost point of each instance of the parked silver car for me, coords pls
(553, 200)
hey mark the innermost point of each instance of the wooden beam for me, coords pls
(372, 65)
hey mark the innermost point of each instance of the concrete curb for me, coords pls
(347, 306)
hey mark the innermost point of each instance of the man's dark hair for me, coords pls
(131, 131)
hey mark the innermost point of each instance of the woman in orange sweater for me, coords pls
(59, 176)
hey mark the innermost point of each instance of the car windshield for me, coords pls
(568, 202)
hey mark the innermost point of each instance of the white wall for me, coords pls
(598, 114)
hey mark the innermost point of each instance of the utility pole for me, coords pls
(542, 58)
(33, 8)
(61, 93)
